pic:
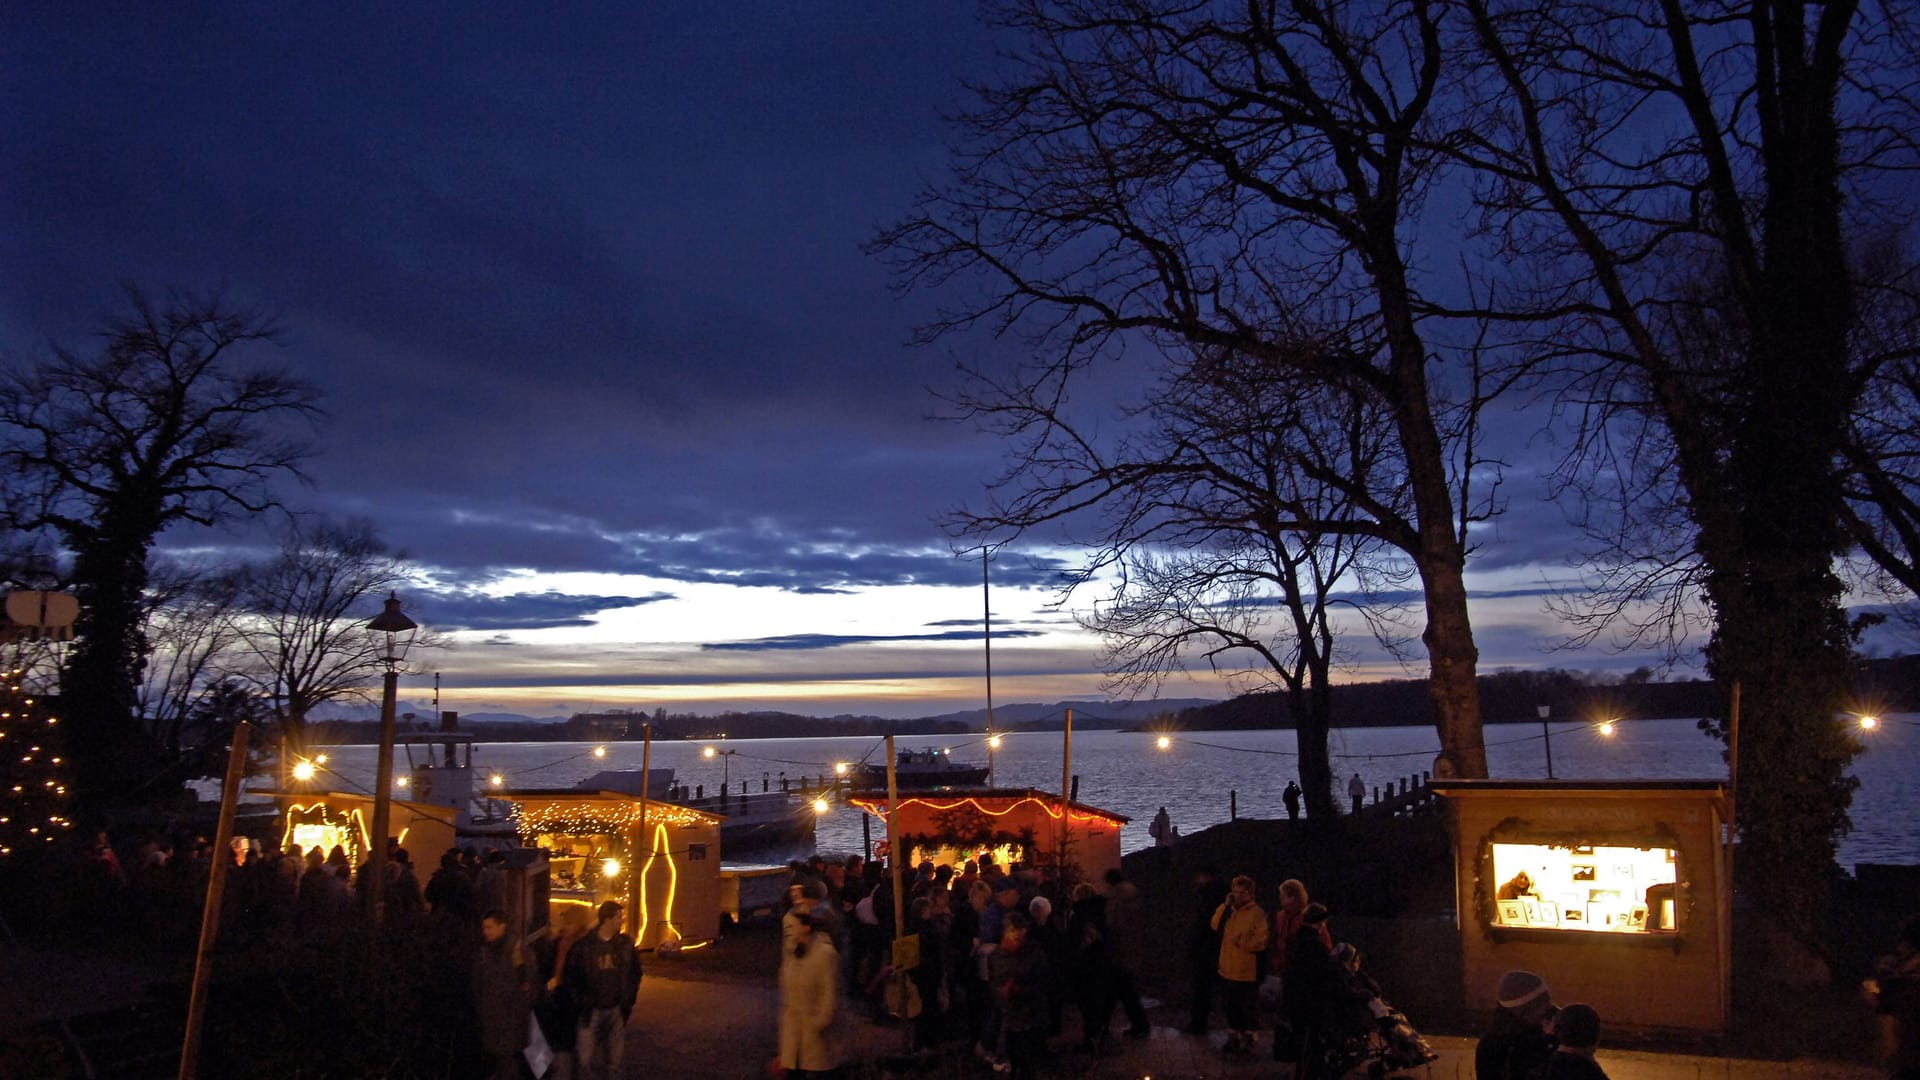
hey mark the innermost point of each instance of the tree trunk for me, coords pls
(104, 667)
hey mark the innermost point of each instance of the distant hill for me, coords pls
(1087, 715)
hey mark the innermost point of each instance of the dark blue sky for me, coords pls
(586, 297)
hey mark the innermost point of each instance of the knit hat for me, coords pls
(1520, 988)
(1041, 909)
(1578, 1027)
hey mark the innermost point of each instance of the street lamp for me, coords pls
(1547, 734)
(393, 634)
(726, 766)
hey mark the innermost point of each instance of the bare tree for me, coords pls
(1671, 182)
(302, 618)
(1253, 514)
(107, 451)
(191, 637)
(1187, 177)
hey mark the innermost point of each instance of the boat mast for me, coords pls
(986, 627)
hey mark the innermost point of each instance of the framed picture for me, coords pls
(1543, 913)
(1623, 872)
(1573, 915)
(1513, 912)
(1584, 872)
(1583, 849)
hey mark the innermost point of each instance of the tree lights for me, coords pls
(34, 774)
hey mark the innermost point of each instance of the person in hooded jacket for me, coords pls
(809, 998)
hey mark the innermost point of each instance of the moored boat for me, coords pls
(921, 769)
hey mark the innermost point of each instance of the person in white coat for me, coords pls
(809, 993)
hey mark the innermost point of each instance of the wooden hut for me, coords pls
(1615, 891)
(1011, 824)
(668, 878)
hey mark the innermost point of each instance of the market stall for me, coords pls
(1012, 825)
(340, 819)
(595, 852)
(1615, 891)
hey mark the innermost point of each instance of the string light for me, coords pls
(579, 817)
(660, 848)
(821, 806)
(303, 770)
(1047, 803)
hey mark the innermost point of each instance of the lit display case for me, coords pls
(1585, 888)
(1618, 888)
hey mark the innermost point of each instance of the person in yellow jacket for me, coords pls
(1244, 934)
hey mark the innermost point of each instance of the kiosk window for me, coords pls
(1597, 889)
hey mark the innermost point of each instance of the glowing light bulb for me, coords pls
(993, 741)
(303, 770)
(708, 752)
(322, 759)
(840, 768)
(611, 868)
(1164, 742)
(599, 751)
(1869, 723)
(821, 806)
(497, 780)
(401, 781)
(1606, 727)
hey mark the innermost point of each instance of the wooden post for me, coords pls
(210, 914)
(1066, 806)
(637, 856)
(1233, 804)
(894, 858)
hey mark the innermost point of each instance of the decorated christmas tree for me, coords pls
(33, 772)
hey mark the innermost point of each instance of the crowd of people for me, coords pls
(1010, 962)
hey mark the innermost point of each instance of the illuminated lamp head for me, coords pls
(497, 780)
(600, 751)
(993, 741)
(708, 752)
(840, 768)
(1606, 727)
(1164, 742)
(1869, 722)
(821, 806)
(303, 771)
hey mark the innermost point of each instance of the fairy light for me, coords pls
(1048, 804)
(33, 789)
(611, 868)
(660, 848)
(575, 817)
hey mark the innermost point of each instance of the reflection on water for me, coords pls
(1125, 773)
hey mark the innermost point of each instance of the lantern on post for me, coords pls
(393, 635)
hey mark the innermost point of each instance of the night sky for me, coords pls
(599, 344)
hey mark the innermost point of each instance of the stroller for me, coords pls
(1362, 1030)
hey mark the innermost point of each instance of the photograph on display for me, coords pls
(1586, 873)
(1543, 913)
(1513, 913)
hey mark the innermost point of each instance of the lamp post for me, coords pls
(726, 768)
(392, 632)
(1547, 734)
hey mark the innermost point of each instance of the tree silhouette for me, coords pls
(163, 425)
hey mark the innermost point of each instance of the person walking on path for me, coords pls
(1203, 946)
(1577, 1028)
(502, 998)
(1291, 797)
(1894, 993)
(1161, 829)
(603, 974)
(1517, 1046)
(1357, 791)
(1244, 934)
(809, 995)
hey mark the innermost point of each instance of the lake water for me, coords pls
(1124, 773)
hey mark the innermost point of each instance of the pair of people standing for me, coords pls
(592, 983)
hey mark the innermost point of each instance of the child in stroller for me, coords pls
(1362, 1029)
